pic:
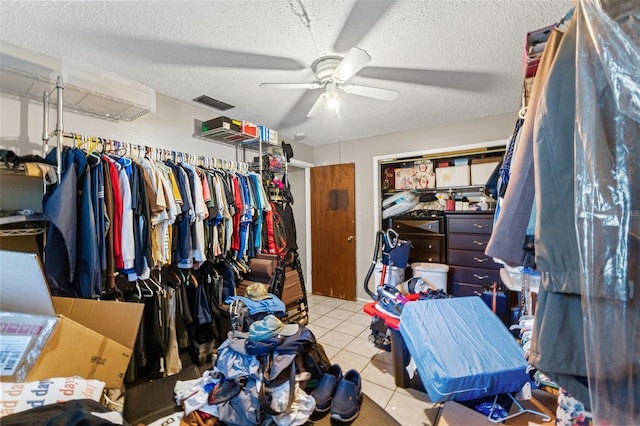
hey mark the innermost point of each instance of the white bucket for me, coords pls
(393, 275)
(434, 274)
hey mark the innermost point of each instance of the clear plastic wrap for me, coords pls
(22, 339)
(607, 203)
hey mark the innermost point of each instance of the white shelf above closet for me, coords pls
(87, 90)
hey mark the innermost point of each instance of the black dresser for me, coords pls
(469, 268)
(425, 229)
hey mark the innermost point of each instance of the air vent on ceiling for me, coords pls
(213, 103)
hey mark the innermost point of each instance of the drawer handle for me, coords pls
(480, 260)
(481, 277)
(479, 243)
(430, 246)
(480, 226)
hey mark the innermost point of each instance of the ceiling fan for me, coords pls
(332, 72)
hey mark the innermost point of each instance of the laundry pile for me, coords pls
(274, 373)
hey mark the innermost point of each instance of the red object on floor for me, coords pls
(389, 321)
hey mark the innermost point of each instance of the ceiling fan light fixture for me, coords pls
(332, 104)
(331, 96)
(331, 91)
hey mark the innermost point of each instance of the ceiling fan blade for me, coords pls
(298, 112)
(355, 60)
(291, 85)
(461, 80)
(173, 52)
(317, 107)
(363, 16)
(371, 92)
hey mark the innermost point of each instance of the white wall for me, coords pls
(297, 174)
(362, 151)
(171, 127)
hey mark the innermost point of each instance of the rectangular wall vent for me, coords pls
(213, 103)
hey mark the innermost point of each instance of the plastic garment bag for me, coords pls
(607, 202)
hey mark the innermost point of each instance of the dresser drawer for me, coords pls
(468, 241)
(406, 227)
(427, 245)
(431, 257)
(475, 224)
(461, 289)
(476, 276)
(476, 259)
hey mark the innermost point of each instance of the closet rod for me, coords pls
(59, 127)
(45, 124)
(153, 152)
(59, 133)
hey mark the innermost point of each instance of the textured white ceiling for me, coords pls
(449, 59)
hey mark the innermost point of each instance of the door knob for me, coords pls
(351, 238)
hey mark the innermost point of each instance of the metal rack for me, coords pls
(241, 142)
(481, 189)
(21, 84)
(30, 86)
(21, 232)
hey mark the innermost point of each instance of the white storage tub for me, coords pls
(393, 276)
(434, 274)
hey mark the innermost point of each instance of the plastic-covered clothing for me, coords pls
(607, 202)
(557, 346)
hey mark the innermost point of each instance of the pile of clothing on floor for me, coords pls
(274, 373)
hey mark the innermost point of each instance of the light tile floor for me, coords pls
(343, 329)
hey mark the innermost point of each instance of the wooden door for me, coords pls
(333, 227)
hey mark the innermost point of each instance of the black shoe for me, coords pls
(345, 406)
(323, 393)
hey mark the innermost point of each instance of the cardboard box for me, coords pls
(220, 124)
(480, 173)
(92, 339)
(448, 177)
(268, 135)
(424, 174)
(249, 129)
(404, 178)
(222, 128)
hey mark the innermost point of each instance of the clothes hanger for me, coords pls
(158, 286)
(120, 153)
(523, 101)
(91, 150)
(141, 290)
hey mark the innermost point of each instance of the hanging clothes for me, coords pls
(127, 243)
(109, 212)
(510, 229)
(72, 263)
(141, 224)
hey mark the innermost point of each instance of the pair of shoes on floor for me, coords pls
(340, 394)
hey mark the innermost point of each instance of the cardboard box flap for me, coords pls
(76, 350)
(119, 321)
(23, 288)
